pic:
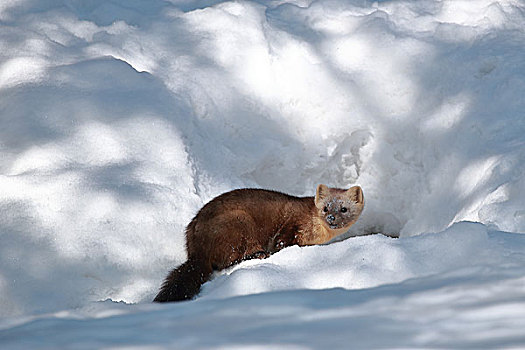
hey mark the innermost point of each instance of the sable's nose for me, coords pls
(330, 218)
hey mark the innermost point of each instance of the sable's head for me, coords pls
(339, 208)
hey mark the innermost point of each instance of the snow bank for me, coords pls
(466, 291)
(120, 119)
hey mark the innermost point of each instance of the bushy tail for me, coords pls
(184, 282)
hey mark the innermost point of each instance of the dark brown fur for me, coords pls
(254, 223)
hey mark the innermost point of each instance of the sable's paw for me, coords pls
(260, 255)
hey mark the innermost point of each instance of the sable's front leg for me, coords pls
(285, 237)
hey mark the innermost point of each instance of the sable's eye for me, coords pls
(325, 209)
(343, 210)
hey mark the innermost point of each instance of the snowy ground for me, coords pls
(120, 119)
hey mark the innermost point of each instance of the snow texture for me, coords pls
(119, 119)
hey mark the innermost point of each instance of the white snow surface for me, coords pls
(119, 119)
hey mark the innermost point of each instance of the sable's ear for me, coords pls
(355, 194)
(322, 191)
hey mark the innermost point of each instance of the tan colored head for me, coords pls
(339, 208)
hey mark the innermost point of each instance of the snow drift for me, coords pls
(120, 119)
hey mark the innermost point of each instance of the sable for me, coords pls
(254, 223)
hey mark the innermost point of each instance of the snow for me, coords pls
(120, 119)
(460, 288)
